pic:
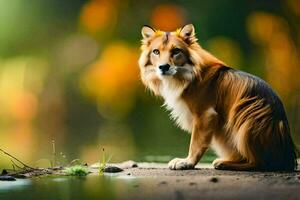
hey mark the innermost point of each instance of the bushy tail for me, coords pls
(286, 150)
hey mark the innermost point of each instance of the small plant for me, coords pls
(103, 162)
(77, 170)
(60, 159)
(53, 161)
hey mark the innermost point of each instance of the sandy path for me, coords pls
(156, 181)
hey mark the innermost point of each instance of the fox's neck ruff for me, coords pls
(172, 91)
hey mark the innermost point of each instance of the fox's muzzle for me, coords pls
(164, 68)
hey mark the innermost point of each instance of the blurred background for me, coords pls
(69, 76)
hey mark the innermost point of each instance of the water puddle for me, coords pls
(14, 185)
(51, 188)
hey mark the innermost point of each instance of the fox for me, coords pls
(235, 113)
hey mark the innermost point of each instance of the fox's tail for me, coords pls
(286, 150)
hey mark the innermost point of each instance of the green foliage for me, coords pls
(77, 170)
(208, 157)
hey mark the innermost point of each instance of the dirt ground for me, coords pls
(204, 182)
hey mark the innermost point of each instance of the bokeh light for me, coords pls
(76, 51)
(111, 80)
(168, 17)
(294, 6)
(98, 15)
(282, 60)
(20, 84)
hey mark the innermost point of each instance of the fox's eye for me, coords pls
(156, 51)
(176, 51)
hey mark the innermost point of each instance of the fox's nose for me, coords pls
(164, 68)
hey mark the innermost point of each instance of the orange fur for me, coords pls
(236, 113)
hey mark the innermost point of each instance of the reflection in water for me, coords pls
(8, 186)
(46, 188)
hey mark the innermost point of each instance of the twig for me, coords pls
(13, 167)
(6, 153)
(15, 164)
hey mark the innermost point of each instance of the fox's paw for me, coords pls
(181, 164)
(219, 164)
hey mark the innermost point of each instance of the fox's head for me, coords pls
(171, 57)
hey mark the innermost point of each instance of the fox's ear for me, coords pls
(147, 32)
(187, 32)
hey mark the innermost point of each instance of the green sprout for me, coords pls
(53, 161)
(77, 170)
(103, 162)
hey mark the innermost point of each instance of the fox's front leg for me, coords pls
(200, 141)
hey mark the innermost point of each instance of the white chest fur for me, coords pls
(180, 112)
